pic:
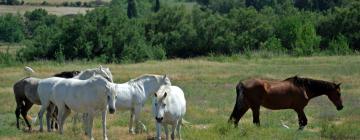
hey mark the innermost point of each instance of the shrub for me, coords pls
(339, 46)
(273, 44)
(11, 28)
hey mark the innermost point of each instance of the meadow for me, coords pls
(21, 9)
(209, 86)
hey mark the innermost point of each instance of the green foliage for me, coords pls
(339, 46)
(216, 27)
(171, 29)
(273, 44)
(345, 21)
(298, 35)
(11, 28)
(7, 59)
(131, 9)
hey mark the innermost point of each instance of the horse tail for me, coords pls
(185, 123)
(239, 103)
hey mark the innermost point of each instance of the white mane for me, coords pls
(146, 77)
(105, 72)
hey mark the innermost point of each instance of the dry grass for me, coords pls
(21, 9)
(59, 1)
(209, 90)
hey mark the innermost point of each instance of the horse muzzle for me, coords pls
(339, 107)
(111, 110)
(159, 120)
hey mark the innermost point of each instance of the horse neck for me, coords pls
(150, 86)
(311, 94)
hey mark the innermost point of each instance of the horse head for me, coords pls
(111, 97)
(335, 96)
(160, 104)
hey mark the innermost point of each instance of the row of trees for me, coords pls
(129, 31)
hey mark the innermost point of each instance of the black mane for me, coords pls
(312, 85)
(67, 74)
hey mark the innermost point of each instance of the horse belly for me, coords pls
(276, 102)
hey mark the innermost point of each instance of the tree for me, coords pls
(131, 9)
(157, 6)
(11, 28)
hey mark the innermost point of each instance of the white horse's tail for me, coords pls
(28, 71)
(185, 123)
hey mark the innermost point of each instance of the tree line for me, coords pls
(135, 31)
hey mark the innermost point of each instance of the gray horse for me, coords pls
(26, 96)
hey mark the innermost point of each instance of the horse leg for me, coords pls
(49, 113)
(137, 118)
(90, 125)
(41, 113)
(17, 114)
(103, 116)
(158, 131)
(86, 122)
(178, 128)
(61, 112)
(24, 111)
(131, 122)
(256, 113)
(302, 118)
(173, 127)
(166, 131)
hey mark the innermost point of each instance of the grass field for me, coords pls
(50, 9)
(59, 1)
(209, 89)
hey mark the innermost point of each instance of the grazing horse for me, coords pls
(169, 107)
(291, 93)
(25, 91)
(133, 94)
(45, 90)
(84, 96)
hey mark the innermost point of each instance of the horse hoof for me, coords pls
(301, 128)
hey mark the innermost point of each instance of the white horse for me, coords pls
(45, 90)
(133, 94)
(84, 96)
(169, 107)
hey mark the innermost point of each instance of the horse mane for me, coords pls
(142, 77)
(312, 85)
(67, 74)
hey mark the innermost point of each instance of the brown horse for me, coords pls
(292, 93)
(25, 91)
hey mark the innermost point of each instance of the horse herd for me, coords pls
(93, 91)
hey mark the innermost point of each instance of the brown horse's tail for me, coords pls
(235, 115)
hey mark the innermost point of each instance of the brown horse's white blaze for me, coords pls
(292, 93)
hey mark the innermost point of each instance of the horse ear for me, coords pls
(165, 76)
(100, 67)
(338, 85)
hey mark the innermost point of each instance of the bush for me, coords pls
(273, 45)
(339, 46)
(11, 28)
(7, 59)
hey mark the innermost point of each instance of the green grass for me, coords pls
(209, 84)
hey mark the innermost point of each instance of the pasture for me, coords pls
(209, 87)
(50, 9)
